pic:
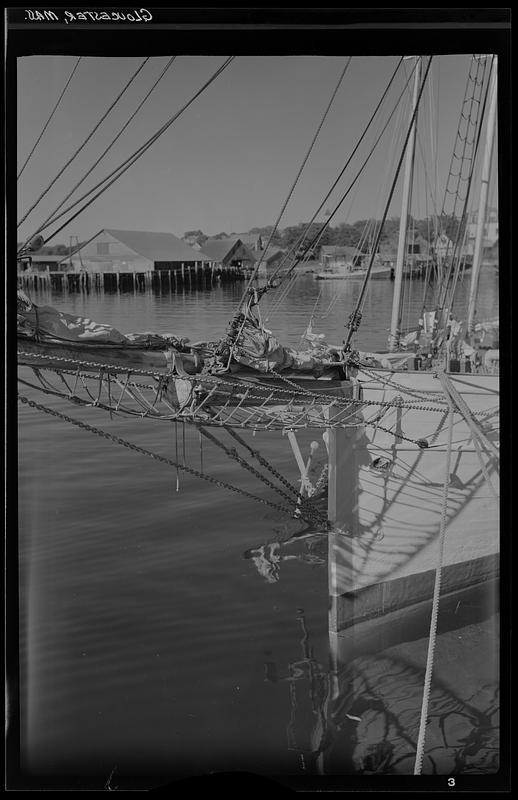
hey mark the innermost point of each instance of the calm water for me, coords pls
(150, 645)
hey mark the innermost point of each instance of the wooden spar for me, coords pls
(486, 169)
(407, 189)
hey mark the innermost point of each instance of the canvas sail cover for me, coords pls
(256, 347)
(50, 322)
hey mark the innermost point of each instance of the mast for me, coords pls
(482, 208)
(407, 184)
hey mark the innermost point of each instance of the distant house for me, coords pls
(443, 246)
(490, 226)
(229, 252)
(113, 250)
(255, 241)
(272, 256)
(490, 235)
(418, 246)
(47, 262)
(418, 249)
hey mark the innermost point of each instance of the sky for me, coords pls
(228, 163)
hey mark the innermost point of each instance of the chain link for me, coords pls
(310, 514)
(298, 390)
(266, 464)
(118, 440)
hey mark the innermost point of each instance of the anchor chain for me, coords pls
(310, 514)
(266, 464)
(298, 390)
(124, 443)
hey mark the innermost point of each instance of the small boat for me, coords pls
(349, 272)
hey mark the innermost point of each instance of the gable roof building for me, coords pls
(229, 252)
(115, 250)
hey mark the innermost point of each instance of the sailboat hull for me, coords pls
(356, 274)
(392, 513)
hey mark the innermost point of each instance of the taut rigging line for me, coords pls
(355, 317)
(127, 163)
(299, 173)
(351, 185)
(85, 141)
(53, 217)
(49, 119)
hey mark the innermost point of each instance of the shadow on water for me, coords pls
(359, 712)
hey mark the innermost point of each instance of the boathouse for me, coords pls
(113, 250)
(229, 253)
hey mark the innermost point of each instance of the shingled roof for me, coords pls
(158, 246)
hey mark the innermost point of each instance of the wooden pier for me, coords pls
(161, 281)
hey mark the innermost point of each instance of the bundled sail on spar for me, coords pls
(411, 431)
(248, 377)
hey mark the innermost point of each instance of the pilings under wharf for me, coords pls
(205, 277)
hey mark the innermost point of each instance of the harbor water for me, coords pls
(169, 627)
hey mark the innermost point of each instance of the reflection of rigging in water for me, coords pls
(297, 542)
(307, 727)
(308, 547)
(363, 716)
(385, 507)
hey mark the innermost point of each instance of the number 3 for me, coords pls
(451, 781)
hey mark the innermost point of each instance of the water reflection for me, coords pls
(308, 546)
(308, 679)
(361, 714)
(383, 695)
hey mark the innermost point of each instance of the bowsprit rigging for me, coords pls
(411, 439)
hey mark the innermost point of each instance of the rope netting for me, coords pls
(271, 402)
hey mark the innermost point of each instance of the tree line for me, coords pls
(341, 235)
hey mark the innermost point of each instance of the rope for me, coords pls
(359, 303)
(179, 466)
(125, 165)
(263, 461)
(49, 119)
(462, 230)
(294, 184)
(310, 514)
(462, 406)
(297, 391)
(351, 185)
(78, 150)
(54, 216)
(435, 607)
